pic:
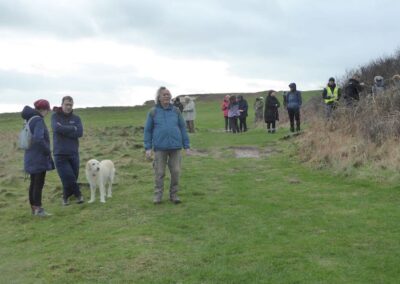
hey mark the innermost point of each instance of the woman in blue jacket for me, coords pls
(37, 158)
(165, 133)
(293, 102)
(67, 129)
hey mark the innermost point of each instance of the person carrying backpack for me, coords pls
(166, 134)
(293, 102)
(37, 157)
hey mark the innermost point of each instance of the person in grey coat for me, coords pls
(379, 86)
(189, 113)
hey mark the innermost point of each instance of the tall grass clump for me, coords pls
(364, 135)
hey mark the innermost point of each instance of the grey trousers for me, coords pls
(173, 159)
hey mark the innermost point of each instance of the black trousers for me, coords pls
(271, 124)
(294, 114)
(226, 123)
(243, 124)
(233, 124)
(36, 188)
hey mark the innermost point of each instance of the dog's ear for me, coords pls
(88, 165)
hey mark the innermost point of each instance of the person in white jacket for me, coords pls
(189, 113)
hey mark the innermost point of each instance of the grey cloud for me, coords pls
(307, 40)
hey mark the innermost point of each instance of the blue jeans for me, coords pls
(68, 169)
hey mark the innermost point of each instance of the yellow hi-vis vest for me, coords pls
(332, 97)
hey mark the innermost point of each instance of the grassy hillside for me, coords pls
(261, 219)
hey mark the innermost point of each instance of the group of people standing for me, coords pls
(332, 93)
(188, 110)
(67, 129)
(235, 109)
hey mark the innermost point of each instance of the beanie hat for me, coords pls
(42, 104)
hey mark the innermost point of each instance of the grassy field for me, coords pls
(262, 219)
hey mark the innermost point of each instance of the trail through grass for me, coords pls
(263, 219)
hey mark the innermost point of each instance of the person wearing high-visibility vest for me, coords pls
(331, 95)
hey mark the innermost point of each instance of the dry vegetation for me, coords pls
(365, 135)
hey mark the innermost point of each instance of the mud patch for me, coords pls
(199, 153)
(247, 152)
(253, 152)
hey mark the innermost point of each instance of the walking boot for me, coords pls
(40, 212)
(157, 198)
(174, 198)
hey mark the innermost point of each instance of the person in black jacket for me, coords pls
(352, 90)
(271, 114)
(243, 108)
(178, 104)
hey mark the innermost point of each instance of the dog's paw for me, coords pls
(102, 201)
(109, 196)
(90, 201)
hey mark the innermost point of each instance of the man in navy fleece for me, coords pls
(67, 129)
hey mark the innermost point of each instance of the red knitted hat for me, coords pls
(42, 104)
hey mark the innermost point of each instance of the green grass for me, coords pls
(266, 220)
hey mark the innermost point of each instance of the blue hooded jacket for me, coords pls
(165, 130)
(67, 129)
(293, 100)
(37, 158)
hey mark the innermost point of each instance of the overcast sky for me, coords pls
(118, 52)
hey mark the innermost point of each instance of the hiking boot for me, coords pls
(65, 201)
(175, 199)
(40, 212)
(157, 198)
(80, 200)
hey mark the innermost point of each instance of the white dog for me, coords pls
(100, 173)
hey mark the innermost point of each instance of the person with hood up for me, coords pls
(166, 134)
(271, 114)
(293, 102)
(178, 104)
(233, 114)
(224, 108)
(189, 113)
(352, 90)
(37, 158)
(243, 108)
(379, 86)
(331, 95)
(67, 129)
